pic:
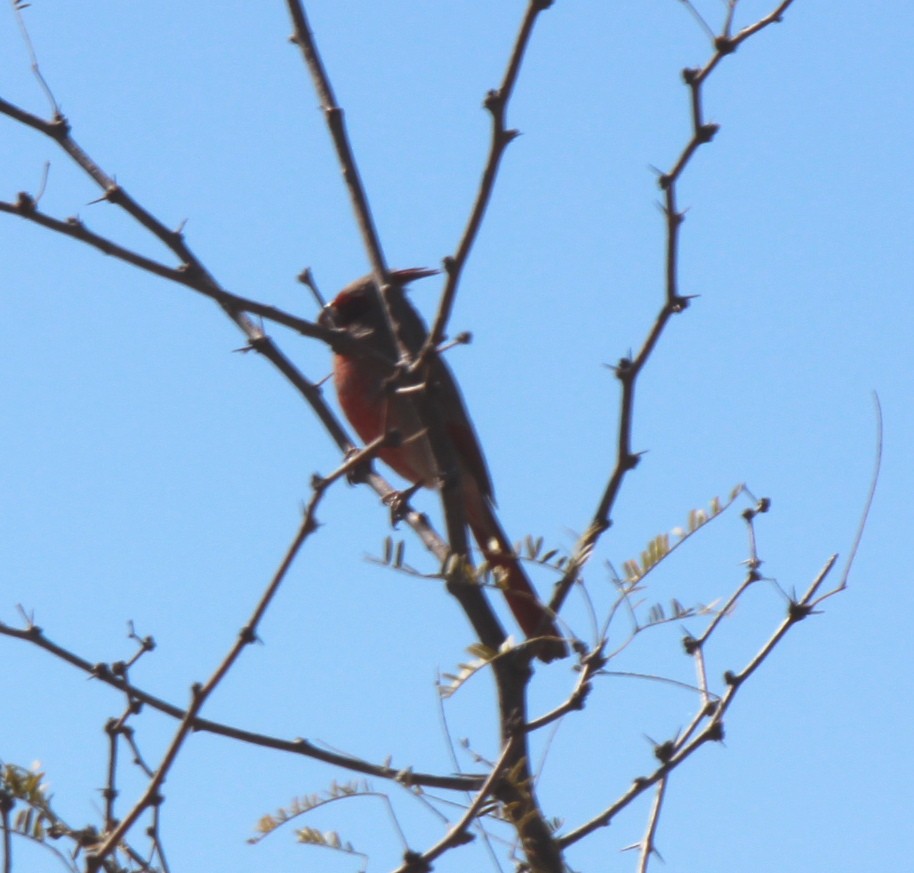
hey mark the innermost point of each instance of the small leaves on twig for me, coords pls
(657, 614)
(325, 839)
(301, 805)
(393, 556)
(532, 550)
(483, 657)
(659, 547)
(36, 817)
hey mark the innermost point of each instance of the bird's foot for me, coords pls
(398, 501)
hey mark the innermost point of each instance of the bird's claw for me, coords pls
(398, 501)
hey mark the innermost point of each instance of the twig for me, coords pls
(871, 495)
(391, 301)
(158, 848)
(628, 369)
(591, 663)
(33, 57)
(200, 693)
(648, 842)
(304, 39)
(496, 103)
(73, 227)
(58, 129)
(699, 18)
(102, 672)
(679, 750)
(752, 575)
(457, 834)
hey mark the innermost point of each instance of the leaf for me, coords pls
(484, 656)
(533, 546)
(659, 547)
(633, 571)
(301, 805)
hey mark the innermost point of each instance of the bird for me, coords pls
(362, 383)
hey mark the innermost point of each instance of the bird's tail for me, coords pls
(522, 599)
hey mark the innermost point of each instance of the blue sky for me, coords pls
(150, 474)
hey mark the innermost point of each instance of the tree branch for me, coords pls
(675, 752)
(496, 103)
(334, 116)
(151, 797)
(628, 369)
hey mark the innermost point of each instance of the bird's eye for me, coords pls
(350, 308)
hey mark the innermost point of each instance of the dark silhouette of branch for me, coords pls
(675, 752)
(458, 833)
(336, 123)
(511, 674)
(628, 369)
(73, 227)
(58, 129)
(200, 279)
(591, 663)
(509, 780)
(392, 302)
(116, 676)
(496, 103)
(151, 797)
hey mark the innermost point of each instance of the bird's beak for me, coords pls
(404, 277)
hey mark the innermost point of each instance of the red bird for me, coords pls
(372, 410)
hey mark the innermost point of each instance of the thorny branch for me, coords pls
(627, 370)
(116, 678)
(648, 846)
(193, 274)
(333, 113)
(496, 103)
(480, 614)
(58, 129)
(151, 797)
(708, 724)
(543, 851)
(676, 751)
(458, 833)
(511, 674)
(26, 207)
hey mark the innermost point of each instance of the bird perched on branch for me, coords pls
(374, 407)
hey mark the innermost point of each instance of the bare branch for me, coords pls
(59, 131)
(496, 103)
(18, 8)
(333, 114)
(103, 673)
(648, 841)
(868, 505)
(679, 750)
(457, 833)
(628, 369)
(200, 693)
(25, 207)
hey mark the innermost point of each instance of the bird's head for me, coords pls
(356, 308)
